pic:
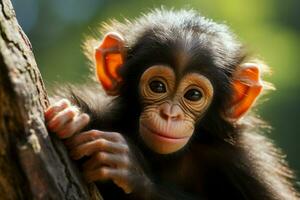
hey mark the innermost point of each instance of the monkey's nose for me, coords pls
(169, 111)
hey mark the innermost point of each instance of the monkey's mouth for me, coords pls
(162, 135)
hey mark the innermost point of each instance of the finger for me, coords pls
(89, 136)
(52, 110)
(108, 159)
(62, 118)
(74, 126)
(102, 174)
(97, 145)
(106, 173)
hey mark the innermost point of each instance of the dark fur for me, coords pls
(224, 160)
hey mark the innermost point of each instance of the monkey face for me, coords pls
(171, 107)
(173, 103)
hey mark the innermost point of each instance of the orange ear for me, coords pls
(247, 87)
(109, 58)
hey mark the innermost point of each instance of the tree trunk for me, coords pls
(32, 165)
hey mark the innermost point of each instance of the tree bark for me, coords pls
(32, 165)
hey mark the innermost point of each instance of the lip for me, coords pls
(164, 136)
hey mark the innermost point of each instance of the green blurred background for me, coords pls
(270, 28)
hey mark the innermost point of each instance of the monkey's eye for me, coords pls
(157, 87)
(193, 95)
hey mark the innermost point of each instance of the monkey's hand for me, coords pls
(110, 159)
(65, 119)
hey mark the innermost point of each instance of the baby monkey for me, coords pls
(177, 124)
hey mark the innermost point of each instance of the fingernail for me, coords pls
(86, 117)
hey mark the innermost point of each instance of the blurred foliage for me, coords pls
(270, 28)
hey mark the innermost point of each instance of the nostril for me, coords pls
(164, 110)
(176, 116)
(164, 114)
(168, 115)
(172, 112)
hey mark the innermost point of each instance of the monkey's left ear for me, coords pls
(247, 86)
(109, 58)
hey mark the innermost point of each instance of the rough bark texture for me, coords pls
(32, 165)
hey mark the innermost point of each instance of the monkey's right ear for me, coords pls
(109, 58)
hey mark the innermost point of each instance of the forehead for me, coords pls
(184, 52)
(210, 54)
